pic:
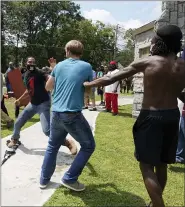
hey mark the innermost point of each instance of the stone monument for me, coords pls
(173, 12)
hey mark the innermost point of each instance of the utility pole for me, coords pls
(116, 39)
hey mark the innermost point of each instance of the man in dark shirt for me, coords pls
(40, 103)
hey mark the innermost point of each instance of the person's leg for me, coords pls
(4, 117)
(92, 97)
(3, 107)
(57, 138)
(86, 97)
(161, 173)
(180, 154)
(152, 184)
(124, 88)
(28, 112)
(148, 139)
(17, 108)
(44, 113)
(108, 102)
(114, 100)
(77, 126)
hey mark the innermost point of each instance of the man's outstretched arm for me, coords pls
(132, 69)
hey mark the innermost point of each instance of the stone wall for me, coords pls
(172, 13)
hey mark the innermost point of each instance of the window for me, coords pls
(144, 52)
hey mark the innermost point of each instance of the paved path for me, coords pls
(20, 174)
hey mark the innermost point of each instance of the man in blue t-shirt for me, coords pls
(67, 80)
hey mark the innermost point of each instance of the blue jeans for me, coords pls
(180, 154)
(29, 111)
(77, 126)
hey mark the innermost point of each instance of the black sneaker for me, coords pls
(108, 110)
(101, 104)
(85, 107)
(77, 186)
(114, 114)
(93, 109)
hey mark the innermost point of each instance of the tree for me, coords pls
(43, 28)
(126, 56)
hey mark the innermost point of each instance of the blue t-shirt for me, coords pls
(70, 75)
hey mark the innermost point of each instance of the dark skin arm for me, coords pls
(132, 69)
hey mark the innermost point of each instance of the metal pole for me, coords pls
(116, 39)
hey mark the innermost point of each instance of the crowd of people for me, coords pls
(155, 131)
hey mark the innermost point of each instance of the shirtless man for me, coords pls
(156, 129)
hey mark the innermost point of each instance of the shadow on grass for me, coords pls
(93, 172)
(177, 169)
(125, 114)
(101, 195)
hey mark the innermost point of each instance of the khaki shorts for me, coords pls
(91, 95)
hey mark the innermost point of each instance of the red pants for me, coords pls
(111, 102)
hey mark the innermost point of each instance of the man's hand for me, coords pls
(17, 102)
(115, 91)
(52, 63)
(86, 84)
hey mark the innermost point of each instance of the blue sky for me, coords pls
(129, 14)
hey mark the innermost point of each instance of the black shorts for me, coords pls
(156, 136)
(99, 91)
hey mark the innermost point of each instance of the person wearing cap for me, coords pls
(156, 129)
(112, 91)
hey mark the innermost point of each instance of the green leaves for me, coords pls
(44, 27)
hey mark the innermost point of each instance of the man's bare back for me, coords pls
(164, 79)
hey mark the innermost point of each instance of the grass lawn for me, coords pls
(9, 103)
(112, 176)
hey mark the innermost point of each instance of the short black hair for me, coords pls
(167, 40)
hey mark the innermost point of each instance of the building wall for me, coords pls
(142, 45)
(172, 13)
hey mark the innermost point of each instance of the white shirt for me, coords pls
(112, 87)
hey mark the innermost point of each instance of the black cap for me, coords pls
(170, 33)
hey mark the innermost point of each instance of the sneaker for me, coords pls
(85, 107)
(93, 109)
(72, 146)
(77, 186)
(43, 186)
(13, 142)
(114, 114)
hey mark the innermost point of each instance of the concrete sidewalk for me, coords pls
(20, 174)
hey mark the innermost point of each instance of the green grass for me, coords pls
(11, 110)
(112, 176)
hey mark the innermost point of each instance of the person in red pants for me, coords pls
(112, 91)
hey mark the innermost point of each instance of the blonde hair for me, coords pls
(75, 47)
